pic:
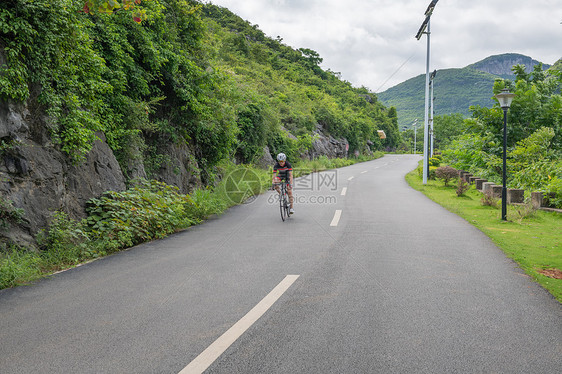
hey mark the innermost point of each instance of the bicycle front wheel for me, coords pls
(282, 199)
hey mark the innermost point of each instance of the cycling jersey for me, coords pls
(282, 171)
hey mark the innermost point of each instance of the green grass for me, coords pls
(531, 238)
(304, 167)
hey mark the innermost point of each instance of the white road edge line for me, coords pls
(336, 218)
(209, 355)
(350, 178)
(343, 191)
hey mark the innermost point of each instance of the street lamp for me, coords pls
(504, 98)
(431, 98)
(415, 136)
(426, 26)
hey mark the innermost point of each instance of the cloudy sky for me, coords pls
(372, 42)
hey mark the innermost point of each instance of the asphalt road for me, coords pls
(396, 285)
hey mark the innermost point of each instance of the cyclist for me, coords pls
(284, 171)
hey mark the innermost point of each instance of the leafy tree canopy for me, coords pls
(192, 74)
(534, 140)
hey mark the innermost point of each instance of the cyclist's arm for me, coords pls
(291, 177)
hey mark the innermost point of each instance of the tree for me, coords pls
(393, 137)
(252, 136)
(110, 6)
(446, 128)
(311, 57)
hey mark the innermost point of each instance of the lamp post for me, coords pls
(431, 98)
(415, 136)
(426, 26)
(504, 98)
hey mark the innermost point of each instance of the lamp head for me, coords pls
(505, 98)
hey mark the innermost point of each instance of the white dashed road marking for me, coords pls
(336, 218)
(209, 355)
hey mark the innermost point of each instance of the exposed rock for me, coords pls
(180, 169)
(266, 159)
(99, 173)
(323, 145)
(502, 64)
(134, 161)
(12, 124)
(40, 179)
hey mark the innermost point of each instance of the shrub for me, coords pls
(431, 173)
(64, 242)
(150, 210)
(488, 199)
(434, 161)
(446, 174)
(462, 187)
(553, 195)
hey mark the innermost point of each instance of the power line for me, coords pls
(393, 74)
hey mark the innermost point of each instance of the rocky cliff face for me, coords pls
(501, 64)
(326, 145)
(39, 179)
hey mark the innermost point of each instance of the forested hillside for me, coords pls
(290, 88)
(455, 90)
(189, 73)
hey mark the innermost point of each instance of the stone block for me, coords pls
(497, 191)
(466, 177)
(472, 179)
(537, 199)
(487, 187)
(479, 183)
(515, 196)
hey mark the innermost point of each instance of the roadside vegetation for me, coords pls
(534, 136)
(530, 237)
(147, 211)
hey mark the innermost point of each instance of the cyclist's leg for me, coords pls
(290, 193)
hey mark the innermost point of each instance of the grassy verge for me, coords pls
(530, 237)
(149, 210)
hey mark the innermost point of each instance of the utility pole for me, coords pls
(431, 84)
(426, 26)
(415, 125)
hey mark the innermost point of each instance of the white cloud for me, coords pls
(372, 43)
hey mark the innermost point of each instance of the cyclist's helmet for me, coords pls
(281, 157)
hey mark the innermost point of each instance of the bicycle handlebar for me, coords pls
(279, 184)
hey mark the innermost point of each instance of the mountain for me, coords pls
(455, 90)
(500, 65)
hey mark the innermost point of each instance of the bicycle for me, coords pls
(284, 205)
